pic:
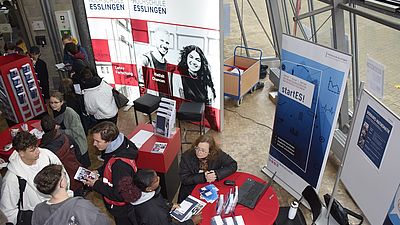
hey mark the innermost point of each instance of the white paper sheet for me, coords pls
(141, 137)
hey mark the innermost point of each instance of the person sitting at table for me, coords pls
(25, 162)
(68, 121)
(152, 208)
(61, 208)
(204, 162)
(115, 183)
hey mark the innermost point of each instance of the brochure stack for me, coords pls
(166, 114)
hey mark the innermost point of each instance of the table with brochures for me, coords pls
(165, 163)
(264, 213)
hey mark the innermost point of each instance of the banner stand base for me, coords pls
(279, 181)
(323, 220)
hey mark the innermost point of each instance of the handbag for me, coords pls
(120, 99)
(24, 217)
(340, 213)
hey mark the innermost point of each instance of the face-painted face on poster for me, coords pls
(194, 61)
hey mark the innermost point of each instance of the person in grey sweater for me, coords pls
(61, 208)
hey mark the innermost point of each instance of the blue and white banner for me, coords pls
(311, 89)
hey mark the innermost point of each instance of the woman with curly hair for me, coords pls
(196, 75)
(196, 80)
(204, 162)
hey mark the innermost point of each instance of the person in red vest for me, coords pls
(115, 180)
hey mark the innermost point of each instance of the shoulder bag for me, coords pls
(120, 99)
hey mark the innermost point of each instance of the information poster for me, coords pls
(374, 135)
(169, 48)
(375, 77)
(311, 89)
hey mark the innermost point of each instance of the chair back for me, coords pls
(313, 200)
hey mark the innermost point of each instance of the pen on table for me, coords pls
(270, 197)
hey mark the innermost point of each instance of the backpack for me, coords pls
(67, 156)
(24, 217)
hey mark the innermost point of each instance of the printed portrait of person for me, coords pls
(196, 78)
(363, 135)
(153, 67)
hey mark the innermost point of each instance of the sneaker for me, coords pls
(100, 158)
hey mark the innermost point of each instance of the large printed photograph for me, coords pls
(162, 48)
(179, 62)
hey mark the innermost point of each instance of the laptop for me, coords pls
(251, 191)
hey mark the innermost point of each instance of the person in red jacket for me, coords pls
(115, 183)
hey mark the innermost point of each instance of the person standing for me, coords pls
(68, 121)
(115, 181)
(61, 208)
(41, 71)
(204, 162)
(65, 148)
(75, 101)
(98, 97)
(68, 59)
(25, 162)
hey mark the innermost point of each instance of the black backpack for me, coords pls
(24, 217)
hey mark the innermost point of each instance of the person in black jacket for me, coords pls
(41, 71)
(204, 162)
(76, 102)
(117, 172)
(66, 149)
(152, 208)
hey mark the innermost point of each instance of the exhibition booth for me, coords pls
(174, 50)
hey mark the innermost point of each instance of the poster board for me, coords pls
(311, 88)
(371, 168)
(145, 47)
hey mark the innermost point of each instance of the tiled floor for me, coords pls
(246, 136)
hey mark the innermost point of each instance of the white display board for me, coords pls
(371, 167)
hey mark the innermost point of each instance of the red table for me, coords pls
(165, 164)
(264, 213)
(5, 137)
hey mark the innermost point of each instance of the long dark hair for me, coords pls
(204, 73)
(67, 87)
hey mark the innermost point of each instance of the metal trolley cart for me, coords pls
(241, 74)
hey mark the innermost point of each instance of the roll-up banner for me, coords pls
(311, 88)
(169, 48)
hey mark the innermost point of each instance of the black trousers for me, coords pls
(127, 219)
(112, 119)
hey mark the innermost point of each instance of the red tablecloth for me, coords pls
(5, 137)
(160, 162)
(264, 213)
